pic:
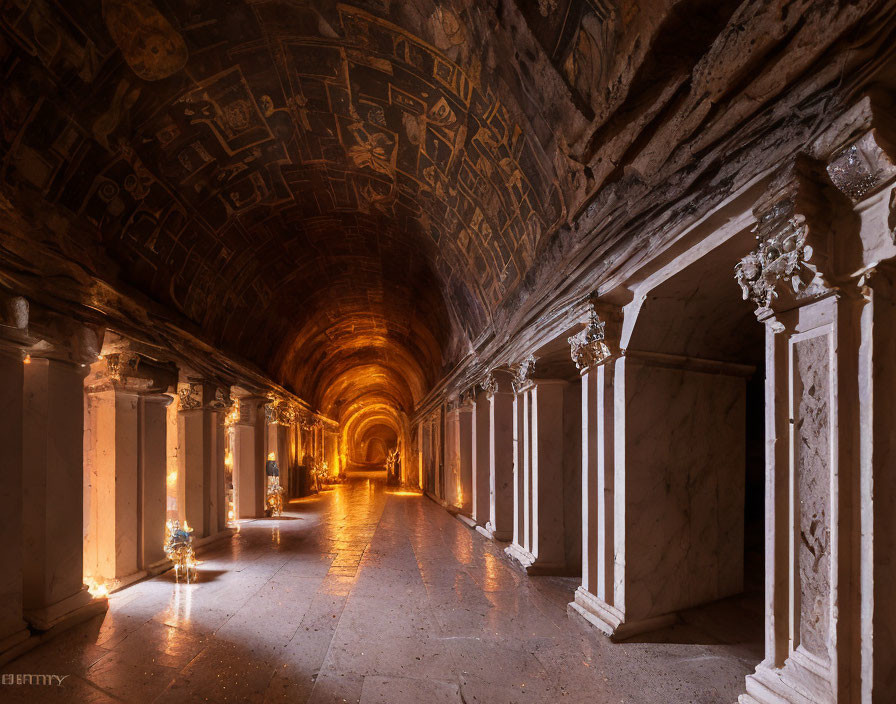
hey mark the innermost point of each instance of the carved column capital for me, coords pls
(14, 314)
(130, 372)
(279, 411)
(522, 374)
(863, 167)
(246, 409)
(203, 395)
(489, 384)
(791, 262)
(599, 341)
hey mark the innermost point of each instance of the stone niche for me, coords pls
(681, 438)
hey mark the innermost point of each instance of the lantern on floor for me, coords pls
(179, 549)
(273, 499)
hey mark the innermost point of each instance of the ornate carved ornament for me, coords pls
(197, 395)
(222, 400)
(862, 168)
(785, 263)
(522, 374)
(190, 397)
(489, 384)
(121, 365)
(588, 347)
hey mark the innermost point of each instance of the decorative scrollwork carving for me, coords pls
(190, 397)
(862, 168)
(782, 255)
(222, 399)
(121, 364)
(792, 231)
(489, 384)
(523, 372)
(588, 348)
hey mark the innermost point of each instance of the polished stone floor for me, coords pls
(373, 595)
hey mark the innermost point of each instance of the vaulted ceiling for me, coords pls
(345, 194)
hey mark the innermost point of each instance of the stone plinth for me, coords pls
(480, 466)
(202, 491)
(53, 492)
(152, 452)
(13, 629)
(249, 458)
(539, 527)
(501, 465)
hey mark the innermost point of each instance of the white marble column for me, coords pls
(547, 529)
(13, 629)
(593, 352)
(539, 543)
(830, 417)
(421, 463)
(53, 436)
(877, 405)
(521, 471)
(501, 453)
(480, 465)
(111, 460)
(153, 470)
(202, 458)
(464, 498)
(249, 457)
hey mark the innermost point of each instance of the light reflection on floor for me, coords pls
(366, 593)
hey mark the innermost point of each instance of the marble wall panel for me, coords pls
(684, 488)
(812, 460)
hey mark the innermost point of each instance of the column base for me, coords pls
(531, 564)
(802, 680)
(94, 607)
(162, 565)
(207, 540)
(12, 642)
(122, 582)
(47, 617)
(489, 532)
(610, 620)
(466, 520)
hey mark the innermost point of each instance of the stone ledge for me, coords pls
(504, 536)
(467, 521)
(610, 621)
(93, 608)
(769, 685)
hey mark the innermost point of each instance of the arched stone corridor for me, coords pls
(442, 350)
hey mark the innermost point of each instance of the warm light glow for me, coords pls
(171, 479)
(97, 589)
(271, 456)
(228, 459)
(404, 493)
(27, 359)
(233, 414)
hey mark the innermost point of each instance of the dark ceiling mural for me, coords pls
(356, 196)
(310, 183)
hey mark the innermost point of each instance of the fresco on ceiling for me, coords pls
(206, 143)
